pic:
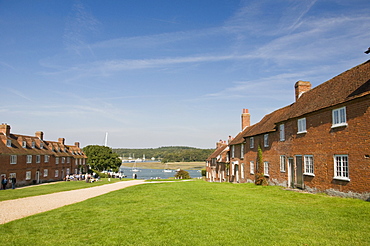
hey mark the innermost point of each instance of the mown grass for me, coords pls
(35, 190)
(198, 213)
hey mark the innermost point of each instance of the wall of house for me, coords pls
(323, 142)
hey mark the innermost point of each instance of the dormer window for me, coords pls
(9, 143)
(33, 144)
(339, 117)
(24, 144)
(41, 145)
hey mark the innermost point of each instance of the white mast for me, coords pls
(106, 139)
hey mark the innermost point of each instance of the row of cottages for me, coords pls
(31, 159)
(320, 143)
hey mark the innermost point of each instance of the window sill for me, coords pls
(339, 125)
(309, 174)
(302, 132)
(252, 173)
(282, 171)
(342, 178)
(266, 175)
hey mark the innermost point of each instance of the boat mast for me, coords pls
(106, 139)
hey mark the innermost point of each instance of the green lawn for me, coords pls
(35, 190)
(198, 213)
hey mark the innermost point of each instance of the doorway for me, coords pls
(291, 172)
(299, 172)
(37, 178)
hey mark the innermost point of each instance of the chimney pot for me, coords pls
(301, 87)
(40, 135)
(246, 118)
(61, 140)
(5, 129)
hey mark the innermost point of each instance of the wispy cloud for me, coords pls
(79, 26)
(20, 94)
(4, 64)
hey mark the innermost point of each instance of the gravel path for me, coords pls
(23, 207)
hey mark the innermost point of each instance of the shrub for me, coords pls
(259, 176)
(182, 174)
(204, 173)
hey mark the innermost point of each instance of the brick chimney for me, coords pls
(301, 87)
(40, 135)
(246, 118)
(61, 140)
(220, 143)
(77, 144)
(5, 129)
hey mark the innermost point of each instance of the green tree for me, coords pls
(102, 158)
(260, 177)
(182, 174)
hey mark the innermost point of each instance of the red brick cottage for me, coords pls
(320, 143)
(31, 159)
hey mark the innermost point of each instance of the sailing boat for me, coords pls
(134, 168)
(167, 170)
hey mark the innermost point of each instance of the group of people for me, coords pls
(89, 178)
(5, 182)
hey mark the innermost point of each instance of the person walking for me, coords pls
(4, 182)
(13, 180)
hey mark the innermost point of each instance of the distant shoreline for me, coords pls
(170, 165)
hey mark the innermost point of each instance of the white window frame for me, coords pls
(8, 143)
(341, 167)
(46, 158)
(232, 151)
(33, 144)
(251, 167)
(242, 151)
(38, 158)
(56, 160)
(339, 117)
(56, 173)
(41, 145)
(301, 125)
(308, 165)
(266, 168)
(282, 132)
(24, 144)
(251, 142)
(63, 160)
(13, 159)
(266, 140)
(242, 170)
(28, 175)
(283, 163)
(29, 159)
(46, 172)
(68, 159)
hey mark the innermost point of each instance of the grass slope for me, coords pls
(198, 213)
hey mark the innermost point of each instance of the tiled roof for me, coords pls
(347, 86)
(48, 147)
(351, 84)
(217, 152)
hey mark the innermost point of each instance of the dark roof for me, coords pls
(217, 152)
(349, 85)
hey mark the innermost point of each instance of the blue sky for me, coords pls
(166, 72)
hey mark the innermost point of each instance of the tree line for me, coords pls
(167, 154)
